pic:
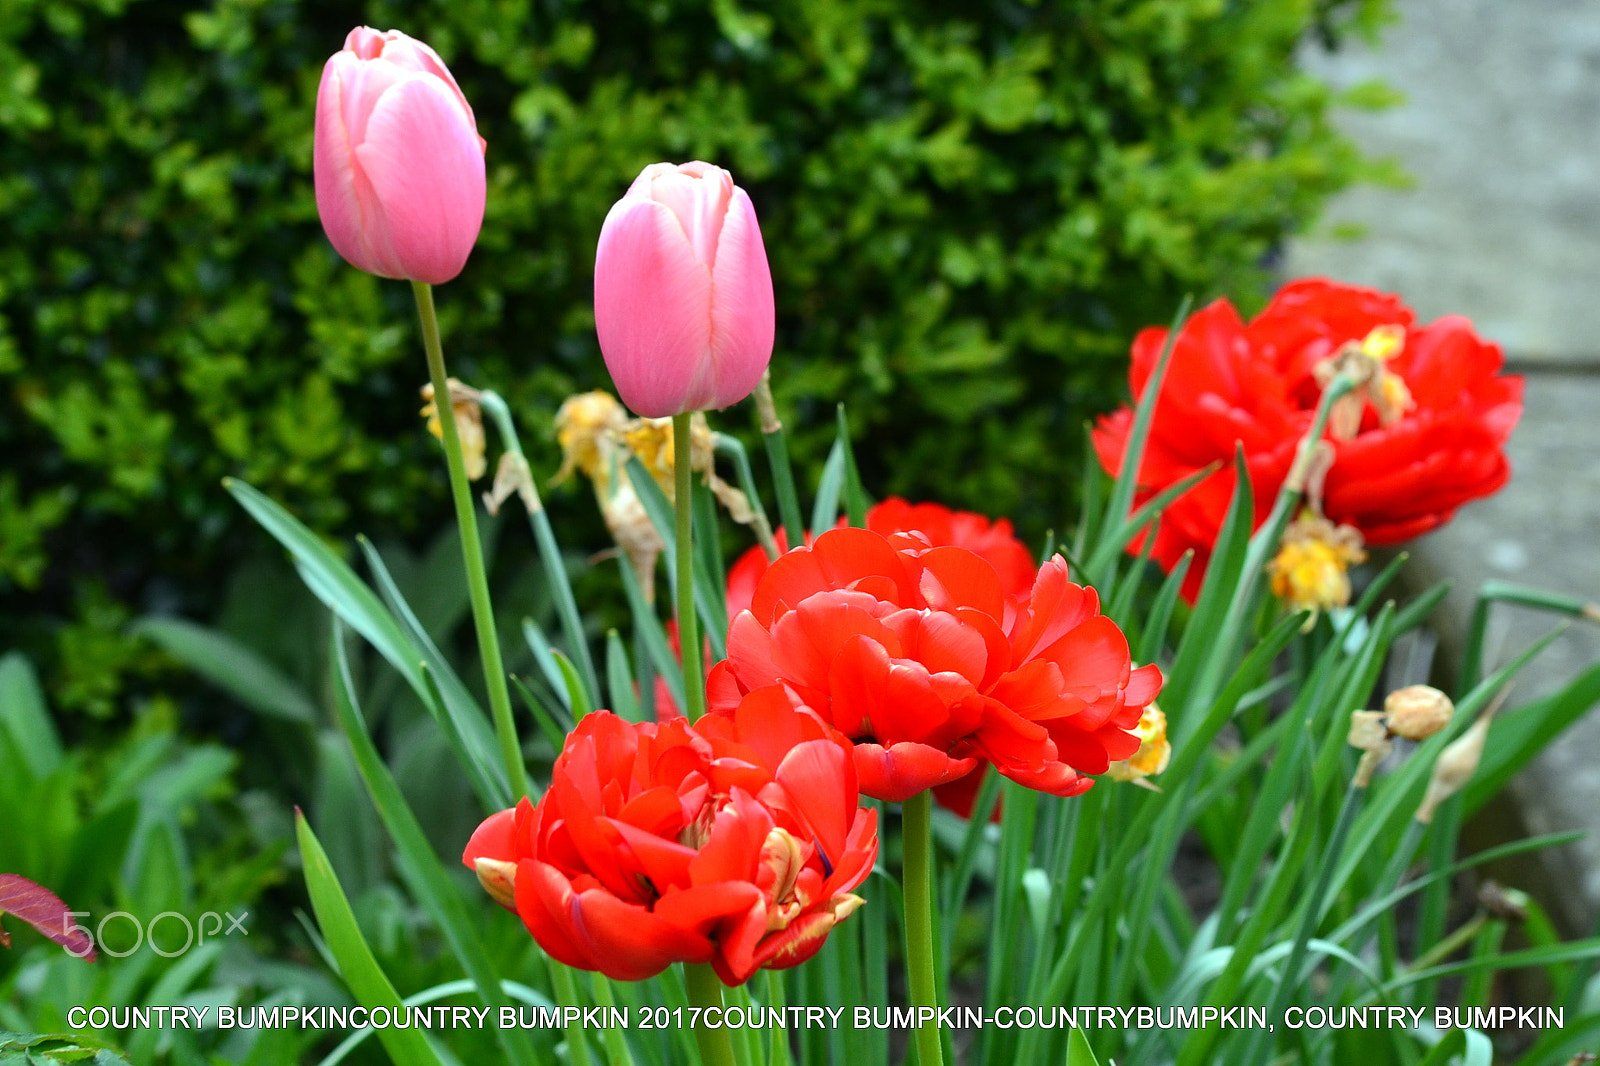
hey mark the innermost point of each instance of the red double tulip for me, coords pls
(1425, 439)
(735, 842)
(917, 654)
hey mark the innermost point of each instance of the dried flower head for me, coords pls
(1312, 567)
(1369, 733)
(469, 424)
(1417, 712)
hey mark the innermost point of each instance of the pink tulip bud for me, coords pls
(682, 292)
(398, 161)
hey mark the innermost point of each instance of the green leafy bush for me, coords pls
(969, 209)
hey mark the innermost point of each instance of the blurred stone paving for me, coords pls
(1501, 131)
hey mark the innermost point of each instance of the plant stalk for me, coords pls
(694, 686)
(705, 990)
(916, 828)
(494, 673)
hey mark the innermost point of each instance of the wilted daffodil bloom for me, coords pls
(468, 414)
(1312, 567)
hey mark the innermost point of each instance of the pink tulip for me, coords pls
(398, 161)
(682, 292)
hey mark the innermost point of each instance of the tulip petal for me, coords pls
(652, 309)
(422, 156)
(899, 771)
(494, 839)
(350, 213)
(819, 778)
(742, 322)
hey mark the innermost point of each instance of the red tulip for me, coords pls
(397, 160)
(916, 653)
(735, 842)
(1427, 440)
(682, 292)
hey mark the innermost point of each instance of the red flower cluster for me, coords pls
(918, 654)
(735, 842)
(1423, 440)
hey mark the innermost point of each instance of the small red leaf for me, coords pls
(43, 910)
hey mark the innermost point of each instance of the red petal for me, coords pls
(836, 560)
(898, 772)
(494, 839)
(820, 780)
(955, 577)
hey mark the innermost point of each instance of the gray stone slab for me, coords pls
(1501, 132)
(1543, 529)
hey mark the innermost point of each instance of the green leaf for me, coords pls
(544, 709)
(1078, 1050)
(231, 666)
(576, 696)
(357, 965)
(418, 864)
(648, 629)
(619, 679)
(1127, 480)
(825, 511)
(855, 497)
(1516, 736)
(710, 603)
(1106, 551)
(24, 715)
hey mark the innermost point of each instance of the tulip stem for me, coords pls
(705, 990)
(916, 839)
(494, 673)
(694, 686)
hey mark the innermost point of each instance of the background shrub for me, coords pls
(969, 208)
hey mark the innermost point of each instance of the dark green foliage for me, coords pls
(969, 209)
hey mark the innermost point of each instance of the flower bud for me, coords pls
(1457, 763)
(1417, 712)
(682, 292)
(397, 160)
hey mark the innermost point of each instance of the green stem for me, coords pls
(617, 1053)
(794, 526)
(916, 828)
(566, 990)
(694, 687)
(549, 551)
(778, 1053)
(705, 990)
(747, 481)
(494, 674)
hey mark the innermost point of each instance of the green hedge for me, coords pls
(969, 208)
